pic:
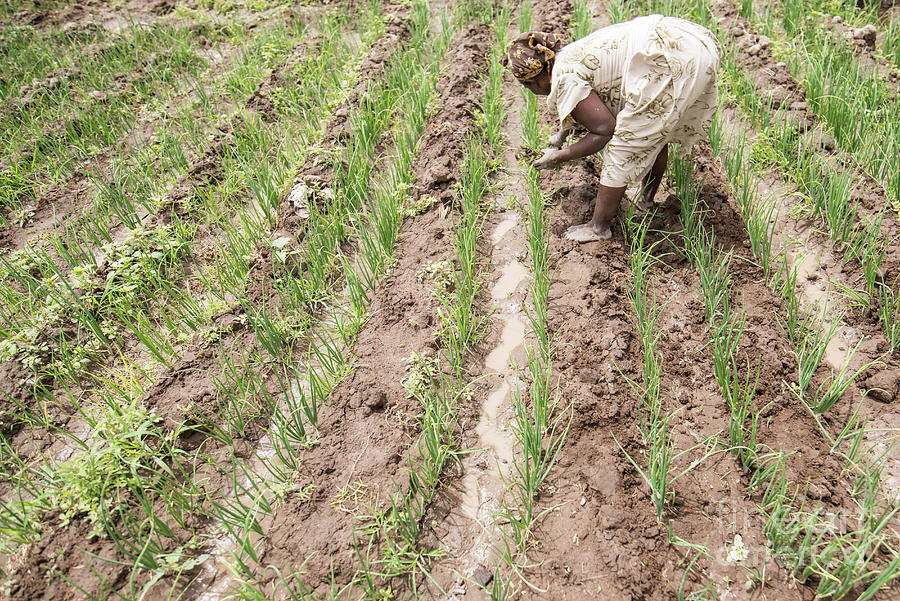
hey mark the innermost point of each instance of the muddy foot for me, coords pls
(586, 232)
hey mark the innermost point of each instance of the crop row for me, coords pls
(789, 521)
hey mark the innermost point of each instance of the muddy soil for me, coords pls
(600, 535)
(875, 390)
(360, 458)
(553, 16)
(772, 78)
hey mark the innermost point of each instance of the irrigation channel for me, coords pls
(489, 466)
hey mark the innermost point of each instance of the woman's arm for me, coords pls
(586, 146)
(600, 123)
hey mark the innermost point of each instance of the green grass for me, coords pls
(582, 19)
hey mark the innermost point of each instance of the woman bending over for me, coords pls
(635, 87)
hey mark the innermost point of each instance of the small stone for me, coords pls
(438, 174)
(818, 492)
(837, 20)
(764, 42)
(800, 105)
(754, 50)
(482, 576)
(241, 448)
(299, 198)
(738, 33)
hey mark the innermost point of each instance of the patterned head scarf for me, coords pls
(530, 53)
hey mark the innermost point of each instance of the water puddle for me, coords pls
(819, 272)
(485, 469)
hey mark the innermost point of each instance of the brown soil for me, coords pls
(611, 544)
(365, 433)
(599, 536)
(553, 15)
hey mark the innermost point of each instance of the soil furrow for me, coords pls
(774, 81)
(366, 430)
(712, 505)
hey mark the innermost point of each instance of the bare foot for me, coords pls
(588, 232)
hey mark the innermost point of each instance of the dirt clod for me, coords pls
(482, 576)
(865, 35)
(884, 385)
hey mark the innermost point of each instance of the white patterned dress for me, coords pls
(656, 75)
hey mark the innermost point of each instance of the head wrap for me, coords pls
(530, 53)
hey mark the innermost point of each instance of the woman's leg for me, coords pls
(605, 207)
(655, 175)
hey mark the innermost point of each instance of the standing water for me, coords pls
(486, 468)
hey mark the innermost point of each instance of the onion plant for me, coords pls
(890, 43)
(726, 324)
(525, 15)
(532, 132)
(582, 20)
(855, 103)
(654, 425)
(888, 303)
(461, 323)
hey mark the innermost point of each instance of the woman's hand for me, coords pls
(550, 159)
(559, 138)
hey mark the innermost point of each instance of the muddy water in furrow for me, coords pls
(470, 530)
(819, 272)
(483, 482)
(216, 577)
(473, 531)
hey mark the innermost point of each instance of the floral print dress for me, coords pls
(656, 75)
